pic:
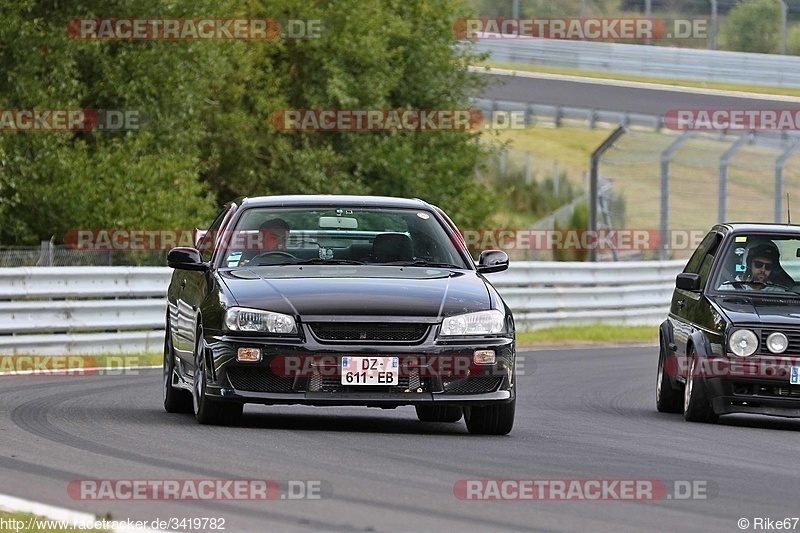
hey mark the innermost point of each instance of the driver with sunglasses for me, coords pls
(761, 262)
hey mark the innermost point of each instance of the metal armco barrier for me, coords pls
(90, 310)
(655, 61)
(544, 294)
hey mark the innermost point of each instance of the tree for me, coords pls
(754, 26)
(208, 136)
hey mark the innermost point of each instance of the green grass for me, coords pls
(5, 517)
(778, 91)
(132, 359)
(591, 334)
(47, 363)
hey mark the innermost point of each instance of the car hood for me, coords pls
(358, 290)
(760, 310)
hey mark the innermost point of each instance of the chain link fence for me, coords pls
(49, 254)
(681, 185)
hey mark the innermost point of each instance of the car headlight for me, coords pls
(777, 342)
(480, 323)
(743, 342)
(242, 319)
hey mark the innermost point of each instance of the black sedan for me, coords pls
(338, 300)
(731, 343)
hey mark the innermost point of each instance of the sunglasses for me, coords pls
(761, 264)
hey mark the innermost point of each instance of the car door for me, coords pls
(192, 289)
(690, 310)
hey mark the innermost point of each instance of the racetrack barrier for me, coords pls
(82, 310)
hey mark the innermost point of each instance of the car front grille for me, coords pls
(259, 380)
(770, 391)
(792, 335)
(476, 385)
(368, 332)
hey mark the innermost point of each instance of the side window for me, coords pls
(693, 266)
(708, 260)
(206, 244)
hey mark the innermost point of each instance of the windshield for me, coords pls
(269, 236)
(767, 263)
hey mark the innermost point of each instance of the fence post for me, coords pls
(723, 175)
(779, 163)
(666, 156)
(46, 254)
(593, 179)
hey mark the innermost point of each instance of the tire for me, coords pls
(668, 399)
(439, 413)
(208, 411)
(175, 400)
(495, 419)
(696, 407)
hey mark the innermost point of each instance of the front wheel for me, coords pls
(696, 407)
(668, 400)
(495, 419)
(175, 400)
(208, 411)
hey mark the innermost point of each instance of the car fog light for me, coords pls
(248, 355)
(483, 357)
(777, 342)
(743, 342)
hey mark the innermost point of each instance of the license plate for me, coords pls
(794, 377)
(370, 370)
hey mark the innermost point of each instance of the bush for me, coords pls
(753, 26)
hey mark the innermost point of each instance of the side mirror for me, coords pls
(492, 261)
(186, 259)
(688, 282)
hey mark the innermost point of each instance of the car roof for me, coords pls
(333, 200)
(760, 227)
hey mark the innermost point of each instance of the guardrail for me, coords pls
(535, 114)
(65, 310)
(656, 61)
(544, 294)
(84, 310)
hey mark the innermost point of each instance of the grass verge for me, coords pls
(591, 334)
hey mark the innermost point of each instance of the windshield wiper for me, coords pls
(314, 261)
(770, 283)
(421, 264)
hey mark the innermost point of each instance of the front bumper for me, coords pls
(758, 386)
(305, 372)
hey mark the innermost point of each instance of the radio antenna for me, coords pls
(788, 210)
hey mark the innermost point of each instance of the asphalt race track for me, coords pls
(582, 414)
(619, 96)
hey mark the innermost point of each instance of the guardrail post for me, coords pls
(593, 179)
(558, 116)
(530, 116)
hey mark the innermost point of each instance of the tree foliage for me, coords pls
(754, 26)
(208, 136)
